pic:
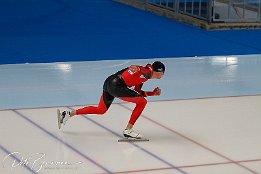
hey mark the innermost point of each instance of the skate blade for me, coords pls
(59, 118)
(132, 139)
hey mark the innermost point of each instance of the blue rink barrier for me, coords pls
(64, 30)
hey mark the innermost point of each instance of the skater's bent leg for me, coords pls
(100, 109)
(140, 105)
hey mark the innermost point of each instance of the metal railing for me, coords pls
(214, 10)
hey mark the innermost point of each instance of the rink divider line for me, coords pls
(15, 158)
(63, 142)
(166, 100)
(186, 166)
(191, 140)
(134, 144)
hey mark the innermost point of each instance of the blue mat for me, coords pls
(65, 30)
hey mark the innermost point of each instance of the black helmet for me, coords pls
(158, 66)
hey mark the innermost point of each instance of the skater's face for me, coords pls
(157, 75)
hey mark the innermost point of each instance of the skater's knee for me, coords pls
(101, 111)
(142, 101)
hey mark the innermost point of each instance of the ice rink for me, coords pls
(207, 120)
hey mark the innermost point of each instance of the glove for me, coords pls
(155, 92)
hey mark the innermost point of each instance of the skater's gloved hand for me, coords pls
(155, 92)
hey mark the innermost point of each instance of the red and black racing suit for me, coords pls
(118, 85)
